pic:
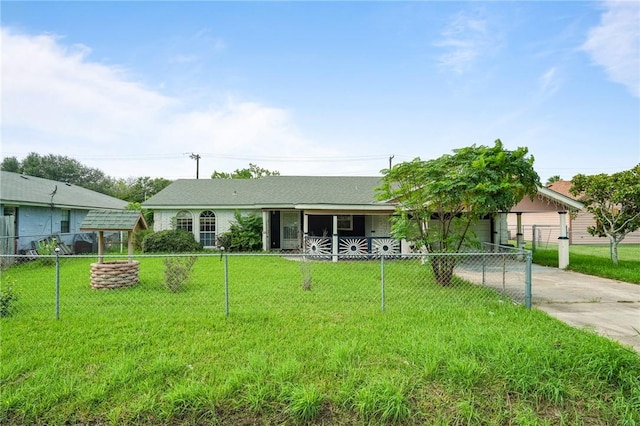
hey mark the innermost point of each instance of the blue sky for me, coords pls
(320, 88)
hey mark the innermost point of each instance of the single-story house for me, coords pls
(544, 227)
(34, 209)
(327, 215)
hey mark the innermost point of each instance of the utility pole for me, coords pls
(390, 158)
(197, 158)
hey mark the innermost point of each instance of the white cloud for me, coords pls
(55, 99)
(614, 44)
(549, 82)
(465, 40)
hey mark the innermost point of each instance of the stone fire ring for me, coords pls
(115, 274)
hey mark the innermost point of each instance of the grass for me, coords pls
(286, 355)
(595, 260)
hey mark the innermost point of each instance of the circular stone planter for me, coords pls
(115, 274)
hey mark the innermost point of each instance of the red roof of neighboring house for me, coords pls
(562, 187)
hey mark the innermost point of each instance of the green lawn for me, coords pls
(144, 355)
(595, 260)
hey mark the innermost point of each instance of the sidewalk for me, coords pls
(609, 307)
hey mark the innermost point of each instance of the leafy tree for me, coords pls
(439, 200)
(614, 201)
(252, 172)
(245, 234)
(10, 164)
(139, 189)
(554, 178)
(63, 169)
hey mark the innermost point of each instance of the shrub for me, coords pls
(138, 238)
(245, 234)
(170, 241)
(47, 248)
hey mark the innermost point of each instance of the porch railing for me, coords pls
(352, 246)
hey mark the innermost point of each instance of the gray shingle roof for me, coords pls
(28, 190)
(113, 220)
(269, 191)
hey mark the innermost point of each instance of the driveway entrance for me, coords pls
(611, 308)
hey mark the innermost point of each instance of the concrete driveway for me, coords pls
(609, 307)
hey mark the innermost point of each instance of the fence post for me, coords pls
(484, 267)
(57, 250)
(527, 281)
(382, 280)
(226, 284)
(533, 238)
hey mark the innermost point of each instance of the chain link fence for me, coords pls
(221, 284)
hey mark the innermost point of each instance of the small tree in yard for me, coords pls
(440, 200)
(176, 271)
(614, 201)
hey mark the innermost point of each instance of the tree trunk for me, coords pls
(613, 249)
(443, 269)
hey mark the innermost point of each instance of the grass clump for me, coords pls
(8, 298)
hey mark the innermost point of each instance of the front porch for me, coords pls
(332, 234)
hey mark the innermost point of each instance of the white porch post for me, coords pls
(563, 242)
(500, 229)
(305, 231)
(265, 230)
(334, 239)
(519, 234)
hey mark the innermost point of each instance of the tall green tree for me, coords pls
(63, 169)
(252, 172)
(614, 201)
(139, 189)
(439, 200)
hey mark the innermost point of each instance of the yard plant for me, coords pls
(459, 354)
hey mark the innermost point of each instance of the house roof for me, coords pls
(22, 190)
(562, 187)
(113, 220)
(270, 191)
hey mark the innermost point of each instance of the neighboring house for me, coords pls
(35, 208)
(545, 224)
(322, 214)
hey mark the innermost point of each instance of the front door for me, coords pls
(290, 230)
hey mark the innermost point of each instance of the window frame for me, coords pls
(184, 221)
(345, 222)
(209, 233)
(65, 221)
